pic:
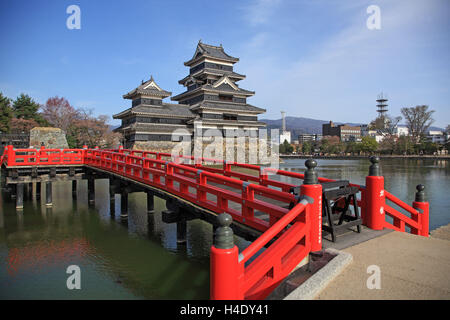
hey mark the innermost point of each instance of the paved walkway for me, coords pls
(411, 267)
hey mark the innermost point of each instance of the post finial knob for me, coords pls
(311, 164)
(420, 194)
(374, 169)
(223, 237)
(374, 159)
(224, 219)
(311, 176)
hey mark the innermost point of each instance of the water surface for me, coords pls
(141, 259)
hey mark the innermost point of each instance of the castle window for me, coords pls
(224, 97)
(230, 117)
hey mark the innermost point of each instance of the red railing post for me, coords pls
(313, 189)
(11, 155)
(374, 197)
(224, 263)
(424, 211)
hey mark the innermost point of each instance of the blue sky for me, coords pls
(310, 58)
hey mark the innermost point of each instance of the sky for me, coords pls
(310, 58)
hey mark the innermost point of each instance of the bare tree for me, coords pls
(385, 125)
(59, 113)
(418, 120)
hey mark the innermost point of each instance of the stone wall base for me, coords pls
(230, 149)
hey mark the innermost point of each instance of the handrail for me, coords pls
(400, 203)
(262, 240)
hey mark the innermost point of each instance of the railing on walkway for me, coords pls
(293, 233)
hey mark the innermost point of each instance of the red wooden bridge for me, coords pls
(244, 199)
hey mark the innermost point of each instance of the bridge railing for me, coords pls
(377, 206)
(235, 277)
(32, 157)
(208, 189)
(376, 203)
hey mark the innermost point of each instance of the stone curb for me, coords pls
(320, 280)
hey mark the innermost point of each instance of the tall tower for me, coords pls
(285, 134)
(283, 121)
(382, 105)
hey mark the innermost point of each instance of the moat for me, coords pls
(141, 259)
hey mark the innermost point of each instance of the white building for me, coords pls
(401, 131)
(285, 135)
(436, 137)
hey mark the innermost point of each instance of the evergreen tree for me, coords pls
(368, 144)
(24, 107)
(6, 113)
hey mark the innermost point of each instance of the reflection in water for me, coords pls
(141, 259)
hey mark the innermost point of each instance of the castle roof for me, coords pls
(209, 51)
(148, 88)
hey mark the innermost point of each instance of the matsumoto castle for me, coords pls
(212, 100)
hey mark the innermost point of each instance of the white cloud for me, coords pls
(259, 11)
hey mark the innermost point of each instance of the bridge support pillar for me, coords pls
(112, 192)
(313, 189)
(112, 198)
(38, 190)
(30, 190)
(19, 196)
(48, 194)
(91, 190)
(13, 189)
(181, 231)
(124, 205)
(74, 189)
(150, 203)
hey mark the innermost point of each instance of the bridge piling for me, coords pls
(124, 204)
(30, 191)
(38, 190)
(13, 191)
(74, 189)
(91, 190)
(181, 231)
(19, 196)
(150, 203)
(48, 194)
(112, 198)
(112, 192)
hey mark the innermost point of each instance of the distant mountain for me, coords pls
(299, 125)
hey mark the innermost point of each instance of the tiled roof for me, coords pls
(229, 74)
(168, 109)
(207, 50)
(149, 88)
(227, 106)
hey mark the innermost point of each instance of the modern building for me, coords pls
(302, 138)
(343, 131)
(401, 130)
(212, 100)
(436, 137)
